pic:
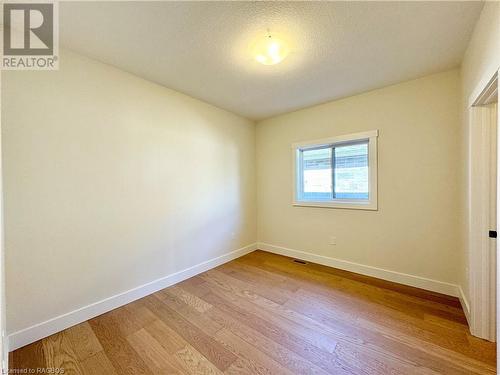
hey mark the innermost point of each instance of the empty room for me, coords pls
(249, 187)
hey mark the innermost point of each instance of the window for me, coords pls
(337, 172)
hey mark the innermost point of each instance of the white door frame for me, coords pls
(483, 180)
(4, 347)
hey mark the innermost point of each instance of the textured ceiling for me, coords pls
(337, 48)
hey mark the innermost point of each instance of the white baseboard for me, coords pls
(380, 273)
(465, 304)
(38, 331)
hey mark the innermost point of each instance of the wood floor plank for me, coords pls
(189, 299)
(452, 339)
(251, 302)
(274, 349)
(467, 363)
(206, 345)
(121, 354)
(167, 337)
(387, 298)
(198, 319)
(196, 363)
(98, 364)
(266, 314)
(30, 357)
(59, 354)
(312, 326)
(83, 340)
(154, 355)
(251, 359)
(321, 358)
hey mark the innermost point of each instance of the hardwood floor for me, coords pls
(266, 314)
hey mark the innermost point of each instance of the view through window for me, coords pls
(336, 172)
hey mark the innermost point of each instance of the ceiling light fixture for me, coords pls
(270, 50)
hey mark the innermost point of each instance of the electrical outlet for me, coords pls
(333, 240)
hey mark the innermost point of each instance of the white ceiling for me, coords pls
(338, 48)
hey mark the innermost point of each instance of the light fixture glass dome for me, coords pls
(270, 50)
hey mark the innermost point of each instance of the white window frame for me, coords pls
(372, 202)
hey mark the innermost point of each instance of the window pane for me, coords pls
(351, 171)
(317, 174)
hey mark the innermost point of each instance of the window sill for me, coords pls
(370, 206)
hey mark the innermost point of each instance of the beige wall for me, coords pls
(481, 60)
(415, 230)
(111, 182)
